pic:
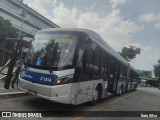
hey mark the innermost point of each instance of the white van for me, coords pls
(143, 83)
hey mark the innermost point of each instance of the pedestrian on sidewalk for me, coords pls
(19, 64)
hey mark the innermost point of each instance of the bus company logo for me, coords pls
(23, 74)
(6, 114)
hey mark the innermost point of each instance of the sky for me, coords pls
(119, 22)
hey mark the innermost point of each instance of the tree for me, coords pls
(130, 52)
(145, 73)
(157, 70)
(6, 30)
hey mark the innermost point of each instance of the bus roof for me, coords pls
(99, 40)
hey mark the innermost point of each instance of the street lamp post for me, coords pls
(23, 13)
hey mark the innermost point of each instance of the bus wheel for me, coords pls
(96, 95)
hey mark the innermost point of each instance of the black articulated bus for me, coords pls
(74, 66)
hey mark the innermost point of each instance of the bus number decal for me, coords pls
(45, 79)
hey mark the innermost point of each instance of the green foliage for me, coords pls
(157, 69)
(130, 53)
(144, 73)
(6, 30)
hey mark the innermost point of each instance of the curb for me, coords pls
(12, 94)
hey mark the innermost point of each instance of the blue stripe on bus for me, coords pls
(40, 78)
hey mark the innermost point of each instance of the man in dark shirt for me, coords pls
(18, 70)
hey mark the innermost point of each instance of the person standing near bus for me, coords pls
(19, 64)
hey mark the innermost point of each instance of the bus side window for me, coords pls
(96, 60)
(120, 71)
(112, 66)
(124, 73)
(105, 65)
(86, 63)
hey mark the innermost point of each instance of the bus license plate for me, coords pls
(34, 93)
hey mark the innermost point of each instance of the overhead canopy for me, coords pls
(4, 49)
(150, 79)
(15, 41)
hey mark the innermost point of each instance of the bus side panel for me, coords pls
(129, 85)
(105, 93)
(74, 92)
(84, 92)
(61, 93)
(121, 85)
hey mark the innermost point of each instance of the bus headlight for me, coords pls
(64, 80)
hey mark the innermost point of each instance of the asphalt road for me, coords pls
(143, 99)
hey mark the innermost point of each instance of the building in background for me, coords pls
(23, 17)
(26, 21)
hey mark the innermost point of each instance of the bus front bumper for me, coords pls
(59, 93)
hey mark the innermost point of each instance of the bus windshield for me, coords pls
(52, 50)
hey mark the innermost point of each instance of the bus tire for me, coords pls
(96, 95)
